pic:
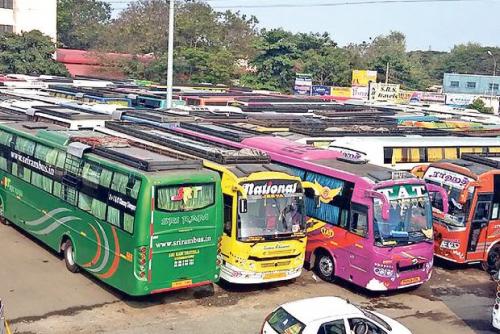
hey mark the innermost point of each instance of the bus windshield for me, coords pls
(271, 218)
(410, 217)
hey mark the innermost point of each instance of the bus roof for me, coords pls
(113, 149)
(418, 141)
(476, 163)
(241, 162)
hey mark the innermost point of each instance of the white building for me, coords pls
(26, 15)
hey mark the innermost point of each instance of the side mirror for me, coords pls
(432, 188)
(243, 205)
(385, 202)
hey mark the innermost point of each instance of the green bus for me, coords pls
(142, 221)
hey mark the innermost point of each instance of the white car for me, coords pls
(328, 315)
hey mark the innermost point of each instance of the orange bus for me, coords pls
(470, 232)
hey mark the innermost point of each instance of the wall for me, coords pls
(482, 84)
(36, 15)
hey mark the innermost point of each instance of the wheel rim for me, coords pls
(70, 255)
(326, 266)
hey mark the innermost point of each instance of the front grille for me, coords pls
(276, 258)
(418, 266)
(275, 264)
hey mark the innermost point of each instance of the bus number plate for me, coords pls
(411, 280)
(274, 275)
(181, 284)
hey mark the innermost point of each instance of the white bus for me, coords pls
(404, 153)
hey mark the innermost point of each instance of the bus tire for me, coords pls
(69, 256)
(492, 263)
(325, 267)
(4, 221)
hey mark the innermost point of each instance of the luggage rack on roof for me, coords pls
(134, 154)
(70, 113)
(217, 130)
(482, 158)
(219, 153)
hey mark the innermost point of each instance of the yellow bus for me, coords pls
(264, 237)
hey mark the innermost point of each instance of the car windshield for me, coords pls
(271, 218)
(409, 221)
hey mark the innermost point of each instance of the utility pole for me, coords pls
(170, 65)
(494, 63)
(387, 74)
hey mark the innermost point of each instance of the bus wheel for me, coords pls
(69, 257)
(325, 267)
(492, 263)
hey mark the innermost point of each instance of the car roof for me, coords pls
(313, 309)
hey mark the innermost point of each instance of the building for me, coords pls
(471, 84)
(26, 15)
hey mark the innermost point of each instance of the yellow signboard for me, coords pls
(361, 78)
(341, 92)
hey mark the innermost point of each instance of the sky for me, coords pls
(435, 25)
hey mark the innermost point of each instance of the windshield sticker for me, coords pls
(273, 188)
(447, 177)
(185, 194)
(403, 191)
(120, 201)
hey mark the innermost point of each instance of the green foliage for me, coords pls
(80, 23)
(479, 105)
(29, 53)
(210, 46)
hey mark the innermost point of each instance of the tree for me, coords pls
(479, 105)
(471, 58)
(80, 23)
(207, 43)
(29, 53)
(329, 65)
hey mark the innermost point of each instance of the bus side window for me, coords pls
(359, 220)
(482, 211)
(228, 215)
(436, 201)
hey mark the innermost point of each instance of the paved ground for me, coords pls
(42, 297)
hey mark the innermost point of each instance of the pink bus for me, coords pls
(372, 226)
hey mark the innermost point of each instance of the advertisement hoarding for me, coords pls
(360, 93)
(320, 90)
(362, 78)
(303, 84)
(341, 92)
(383, 92)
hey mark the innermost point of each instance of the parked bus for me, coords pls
(373, 226)
(140, 221)
(469, 232)
(404, 153)
(264, 236)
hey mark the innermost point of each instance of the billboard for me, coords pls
(303, 84)
(383, 92)
(460, 100)
(408, 97)
(341, 92)
(362, 78)
(433, 97)
(320, 90)
(360, 93)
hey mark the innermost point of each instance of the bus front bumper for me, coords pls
(236, 275)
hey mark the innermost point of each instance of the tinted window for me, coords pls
(334, 327)
(482, 211)
(284, 323)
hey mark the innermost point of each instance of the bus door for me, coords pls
(476, 246)
(359, 259)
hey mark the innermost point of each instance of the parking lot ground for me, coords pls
(43, 297)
